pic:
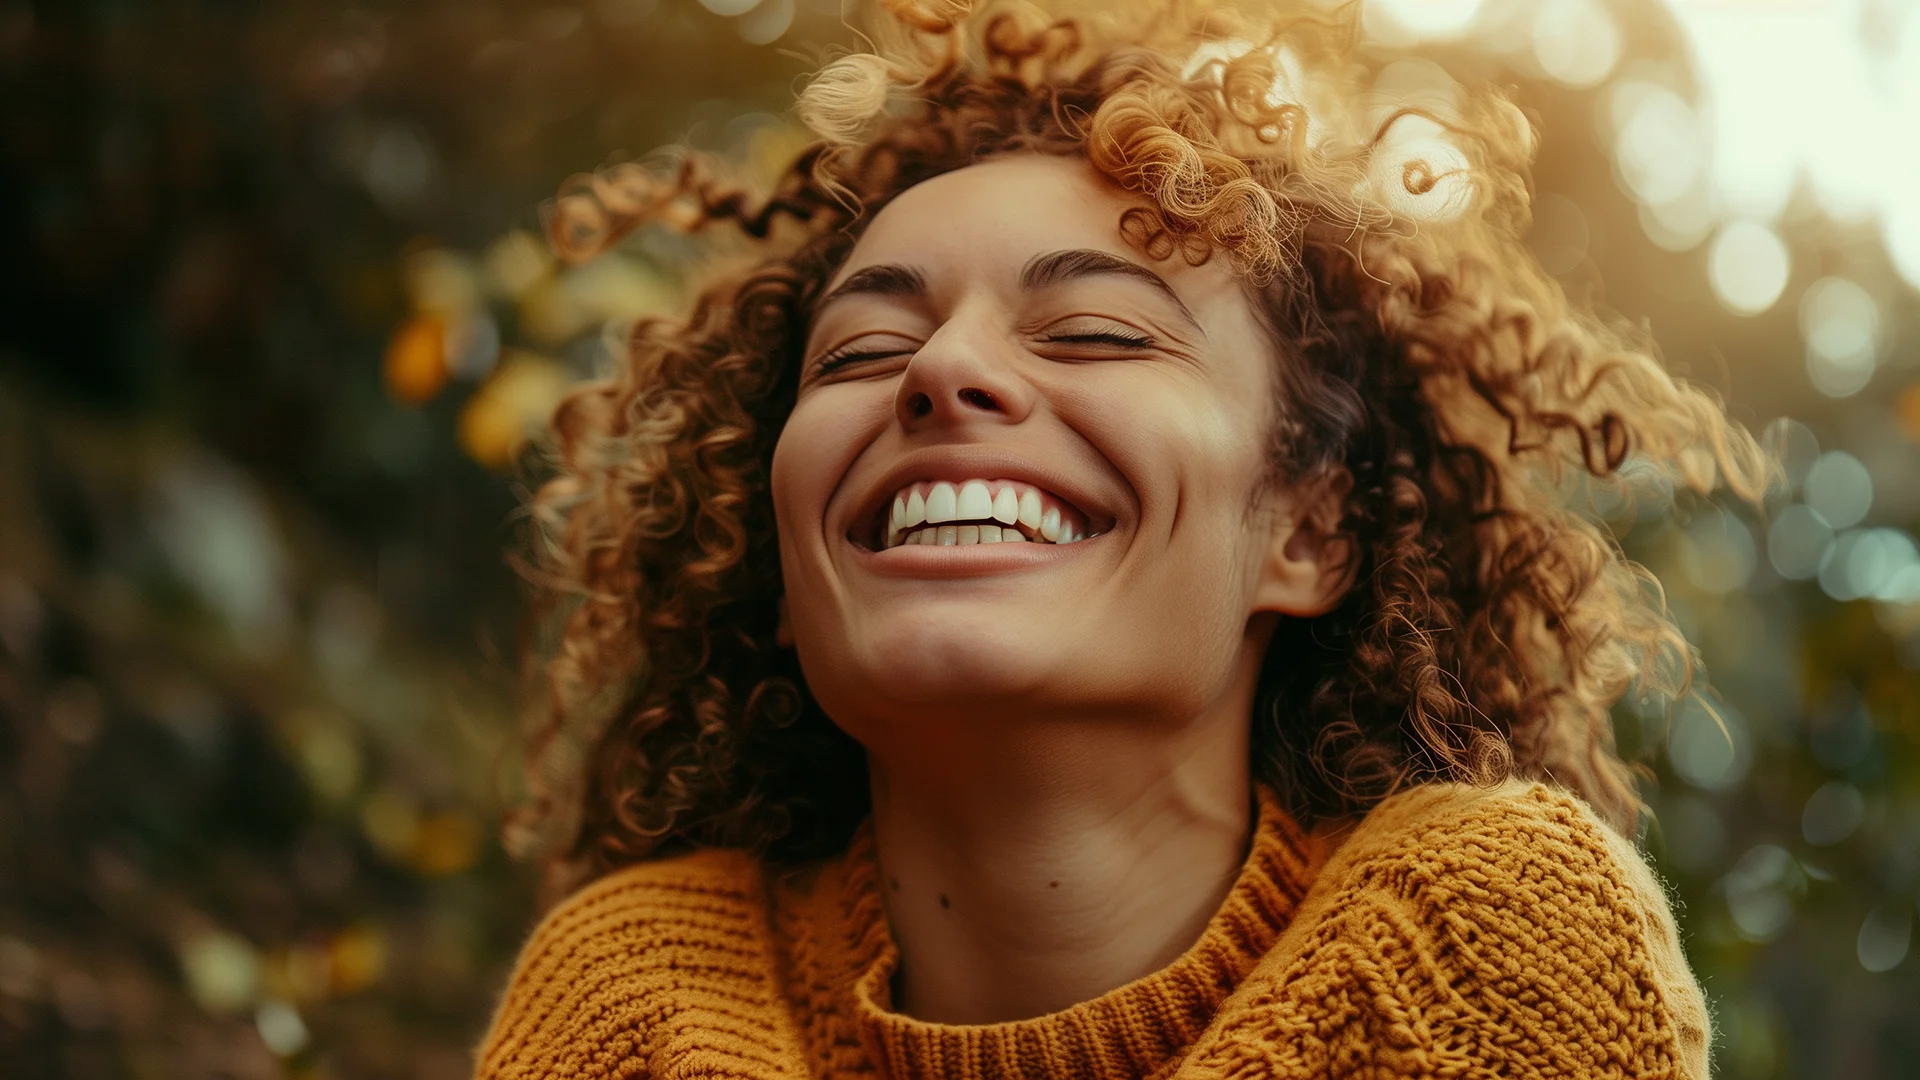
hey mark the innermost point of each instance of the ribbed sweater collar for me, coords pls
(844, 959)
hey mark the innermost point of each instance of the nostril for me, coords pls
(919, 405)
(979, 399)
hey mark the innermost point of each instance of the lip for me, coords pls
(955, 464)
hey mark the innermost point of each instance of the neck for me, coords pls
(1059, 861)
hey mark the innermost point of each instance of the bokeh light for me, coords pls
(766, 22)
(1709, 744)
(1748, 265)
(281, 1028)
(1840, 488)
(417, 365)
(1903, 241)
(1841, 324)
(1659, 144)
(221, 968)
(1885, 936)
(511, 407)
(1797, 541)
(1576, 42)
(1404, 22)
(1762, 890)
(1794, 95)
(1833, 813)
(1681, 224)
(1868, 563)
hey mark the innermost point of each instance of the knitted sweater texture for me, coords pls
(1451, 932)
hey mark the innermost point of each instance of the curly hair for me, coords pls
(1492, 625)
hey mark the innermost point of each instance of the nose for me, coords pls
(958, 377)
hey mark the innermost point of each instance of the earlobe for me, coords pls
(1311, 560)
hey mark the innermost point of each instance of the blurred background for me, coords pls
(277, 327)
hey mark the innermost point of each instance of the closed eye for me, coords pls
(856, 352)
(1123, 339)
(860, 351)
(1098, 331)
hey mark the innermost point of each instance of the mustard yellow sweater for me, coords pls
(1453, 932)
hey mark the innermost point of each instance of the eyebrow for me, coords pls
(883, 279)
(1057, 267)
(1041, 271)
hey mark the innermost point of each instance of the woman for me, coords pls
(1095, 596)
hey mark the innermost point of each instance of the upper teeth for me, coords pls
(997, 511)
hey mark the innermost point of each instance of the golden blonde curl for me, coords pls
(1427, 355)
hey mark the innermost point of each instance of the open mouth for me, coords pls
(949, 514)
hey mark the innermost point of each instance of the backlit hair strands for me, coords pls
(1491, 627)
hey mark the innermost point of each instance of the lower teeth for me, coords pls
(963, 535)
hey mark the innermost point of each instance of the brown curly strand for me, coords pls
(1491, 628)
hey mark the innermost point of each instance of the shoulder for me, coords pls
(1504, 928)
(635, 962)
(1533, 862)
(1537, 910)
(700, 897)
(1505, 841)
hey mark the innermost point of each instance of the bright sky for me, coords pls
(1828, 90)
(1820, 97)
(1825, 92)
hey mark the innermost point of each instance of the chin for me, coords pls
(946, 665)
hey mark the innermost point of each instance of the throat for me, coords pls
(1006, 909)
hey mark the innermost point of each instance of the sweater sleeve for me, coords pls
(1464, 932)
(658, 970)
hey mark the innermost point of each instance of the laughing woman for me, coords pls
(1095, 597)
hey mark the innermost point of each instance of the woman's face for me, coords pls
(995, 359)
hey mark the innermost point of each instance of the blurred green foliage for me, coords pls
(276, 327)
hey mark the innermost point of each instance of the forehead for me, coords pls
(994, 216)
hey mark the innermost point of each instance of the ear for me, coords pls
(783, 631)
(1310, 561)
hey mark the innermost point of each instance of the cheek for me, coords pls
(1193, 451)
(815, 447)
(790, 472)
(1165, 628)
(819, 445)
